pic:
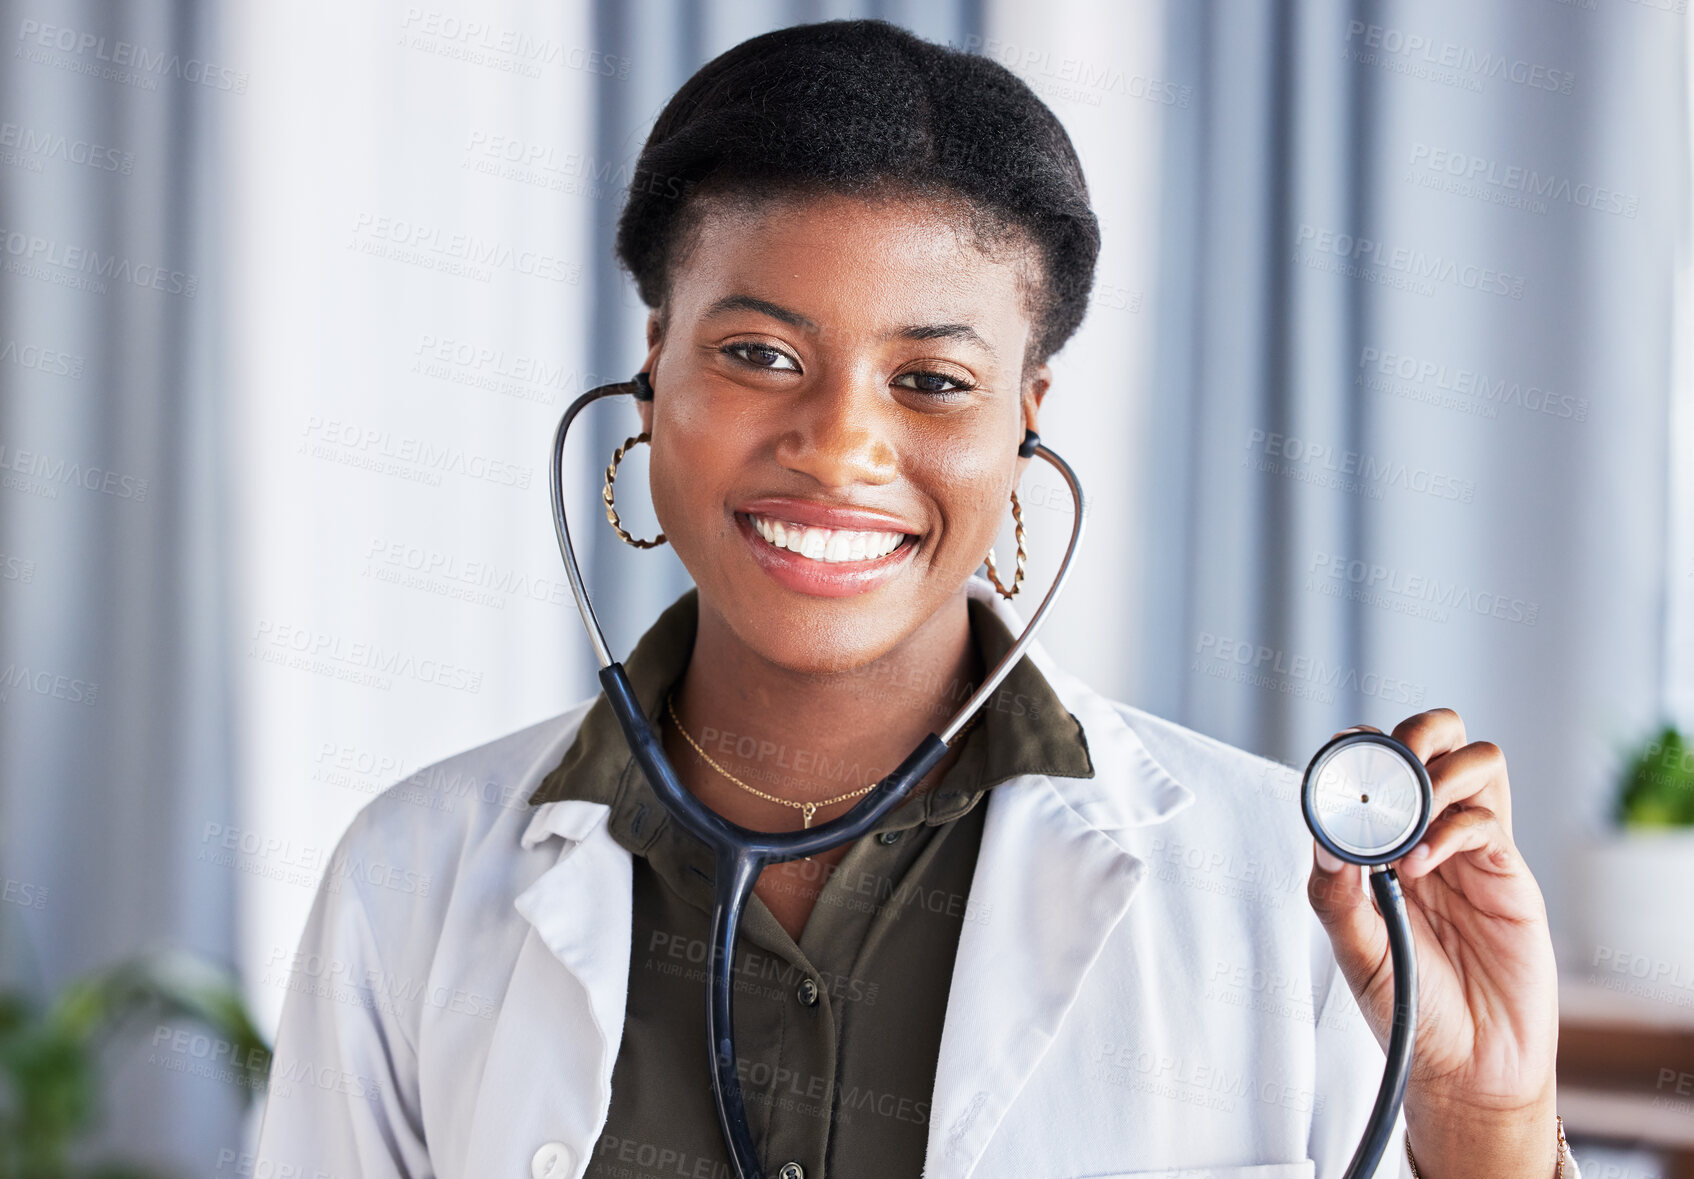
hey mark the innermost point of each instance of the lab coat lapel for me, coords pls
(561, 1021)
(1050, 886)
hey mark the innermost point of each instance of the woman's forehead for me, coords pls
(886, 218)
(834, 260)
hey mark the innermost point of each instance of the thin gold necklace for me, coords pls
(806, 809)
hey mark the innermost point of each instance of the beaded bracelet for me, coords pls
(1564, 1149)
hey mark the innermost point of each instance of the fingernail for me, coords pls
(1420, 852)
(1326, 860)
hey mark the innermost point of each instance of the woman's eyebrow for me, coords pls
(944, 331)
(928, 331)
(763, 307)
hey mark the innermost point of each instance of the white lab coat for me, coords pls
(1141, 988)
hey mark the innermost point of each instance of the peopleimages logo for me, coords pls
(366, 663)
(1347, 470)
(1460, 166)
(50, 145)
(1377, 584)
(1470, 383)
(34, 251)
(466, 254)
(52, 472)
(42, 360)
(511, 50)
(1413, 264)
(1369, 42)
(1109, 79)
(1260, 665)
(130, 57)
(404, 455)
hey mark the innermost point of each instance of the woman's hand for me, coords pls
(1481, 1098)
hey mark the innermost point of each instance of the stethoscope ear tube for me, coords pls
(1402, 1035)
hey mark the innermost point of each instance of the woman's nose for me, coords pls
(841, 434)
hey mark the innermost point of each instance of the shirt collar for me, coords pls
(1025, 729)
(1127, 786)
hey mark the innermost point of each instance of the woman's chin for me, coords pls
(819, 640)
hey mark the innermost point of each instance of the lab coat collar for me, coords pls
(1050, 886)
(561, 1018)
(1129, 787)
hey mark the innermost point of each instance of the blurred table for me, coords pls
(1626, 1066)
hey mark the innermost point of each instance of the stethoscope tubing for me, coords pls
(1402, 1034)
(740, 854)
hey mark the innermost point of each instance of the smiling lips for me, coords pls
(823, 562)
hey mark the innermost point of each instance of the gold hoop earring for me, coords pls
(1023, 555)
(606, 494)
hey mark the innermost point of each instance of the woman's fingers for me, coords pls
(1473, 777)
(1430, 734)
(1459, 831)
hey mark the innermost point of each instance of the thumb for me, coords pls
(1348, 913)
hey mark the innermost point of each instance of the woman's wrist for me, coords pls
(1449, 1143)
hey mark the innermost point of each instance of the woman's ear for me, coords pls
(655, 340)
(1034, 389)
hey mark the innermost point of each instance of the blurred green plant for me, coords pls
(50, 1055)
(1657, 789)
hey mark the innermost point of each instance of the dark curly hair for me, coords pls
(868, 108)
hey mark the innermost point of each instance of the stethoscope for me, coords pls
(1368, 801)
(1349, 829)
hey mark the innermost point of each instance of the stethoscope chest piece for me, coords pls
(1367, 798)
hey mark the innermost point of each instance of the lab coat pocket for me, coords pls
(1304, 1169)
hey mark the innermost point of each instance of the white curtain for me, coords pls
(115, 707)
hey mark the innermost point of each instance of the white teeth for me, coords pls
(826, 544)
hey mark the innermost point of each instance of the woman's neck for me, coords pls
(807, 737)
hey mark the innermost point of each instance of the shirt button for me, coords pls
(552, 1161)
(791, 1170)
(808, 991)
(888, 838)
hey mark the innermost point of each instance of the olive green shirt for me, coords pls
(837, 1036)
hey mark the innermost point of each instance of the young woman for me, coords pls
(1085, 946)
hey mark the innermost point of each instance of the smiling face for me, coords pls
(837, 377)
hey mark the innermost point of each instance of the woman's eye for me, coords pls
(761, 356)
(933, 383)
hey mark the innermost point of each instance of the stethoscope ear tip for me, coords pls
(643, 386)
